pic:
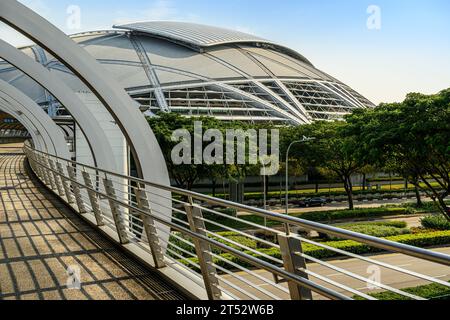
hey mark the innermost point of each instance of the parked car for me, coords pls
(315, 202)
(299, 203)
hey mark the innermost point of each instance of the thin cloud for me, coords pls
(38, 6)
(158, 10)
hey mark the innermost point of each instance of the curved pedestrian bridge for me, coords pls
(42, 240)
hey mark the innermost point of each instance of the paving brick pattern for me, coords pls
(41, 240)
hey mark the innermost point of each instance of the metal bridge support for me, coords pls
(93, 198)
(291, 250)
(76, 189)
(149, 226)
(65, 183)
(203, 251)
(116, 211)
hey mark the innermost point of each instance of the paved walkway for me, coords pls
(41, 239)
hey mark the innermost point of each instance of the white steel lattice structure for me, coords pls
(200, 70)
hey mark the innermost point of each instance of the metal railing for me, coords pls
(13, 133)
(229, 255)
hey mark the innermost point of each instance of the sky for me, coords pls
(384, 49)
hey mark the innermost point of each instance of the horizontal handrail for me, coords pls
(259, 263)
(129, 207)
(436, 257)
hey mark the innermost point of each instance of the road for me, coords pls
(344, 205)
(388, 277)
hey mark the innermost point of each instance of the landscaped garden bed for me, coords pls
(430, 292)
(422, 240)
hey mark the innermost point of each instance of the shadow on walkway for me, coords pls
(43, 244)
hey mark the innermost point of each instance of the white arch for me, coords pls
(51, 133)
(148, 156)
(35, 133)
(95, 136)
(124, 110)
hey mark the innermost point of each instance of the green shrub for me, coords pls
(438, 222)
(421, 240)
(238, 238)
(426, 207)
(302, 194)
(232, 236)
(431, 292)
(376, 230)
(181, 244)
(329, 216)
(318, 216)
(394, 224)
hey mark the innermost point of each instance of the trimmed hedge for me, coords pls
(318, 216)
(421, 240)
(377, 230)
(386, 192)
(438, 222)
(392, 223)
(329, 216)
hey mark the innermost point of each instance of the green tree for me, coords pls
(332, 151)
(186, 175)
(413, 138)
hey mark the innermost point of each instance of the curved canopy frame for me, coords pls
(148, 157)
(32, 127)
(51, 133)
(96, 137)
(125, 111)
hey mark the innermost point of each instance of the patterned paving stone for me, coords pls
(40, 239)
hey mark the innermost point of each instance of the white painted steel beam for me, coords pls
(18, 102)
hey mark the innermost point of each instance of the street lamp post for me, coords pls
(305, 139)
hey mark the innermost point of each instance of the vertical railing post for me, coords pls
(149, 226)
(116, 211)
(76, 189)
(291, 250)
(44, 171)
(93, 198)
(49, 174)
(204, 251)
(65, 182)
(32, 161)
(56, 178)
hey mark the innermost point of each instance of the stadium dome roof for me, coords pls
(198, 70)
(200, 37)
